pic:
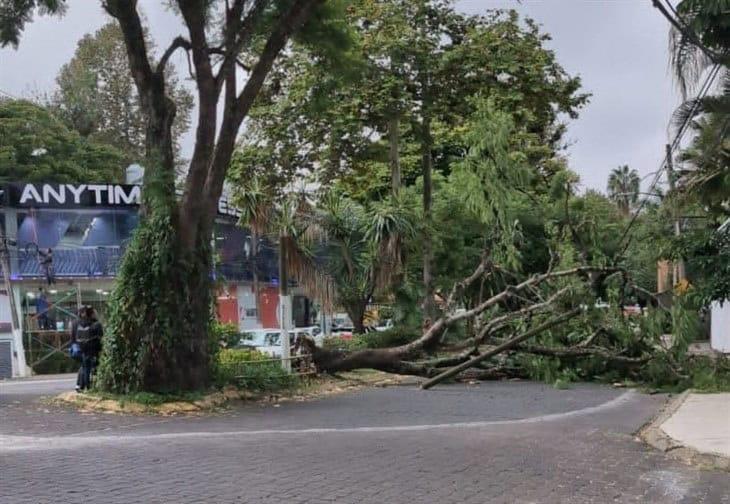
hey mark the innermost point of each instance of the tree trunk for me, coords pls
(429, 306)
(157, 330)
(393, 155)
(255, 269)
(356, 312)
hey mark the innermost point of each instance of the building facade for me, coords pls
(84, 229)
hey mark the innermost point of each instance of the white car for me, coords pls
(268, 341)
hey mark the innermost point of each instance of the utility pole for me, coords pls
(15, 322)
(678, 271)
(284, 305)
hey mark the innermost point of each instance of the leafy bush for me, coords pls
(251, 370)
(344, 344)
(392, 337)
(55, 364)
(226, 334)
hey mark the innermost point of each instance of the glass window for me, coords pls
(75, 228)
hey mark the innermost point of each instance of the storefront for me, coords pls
(85, 228)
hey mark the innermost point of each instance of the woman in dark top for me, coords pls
(87, 332)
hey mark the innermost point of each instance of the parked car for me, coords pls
(268, 341)
(384, 325)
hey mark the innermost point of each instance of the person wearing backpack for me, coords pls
(87, 332)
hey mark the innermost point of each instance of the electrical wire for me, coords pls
(706, 87)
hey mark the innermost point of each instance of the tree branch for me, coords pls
(125, 12)
(238, 34)
(233, 116)
(179, 42)
(501, 348)
(577, 352)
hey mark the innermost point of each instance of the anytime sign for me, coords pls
(72, 195)
(83, 195)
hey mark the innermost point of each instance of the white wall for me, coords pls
(16, 337)
(246, 302)
(720, 332)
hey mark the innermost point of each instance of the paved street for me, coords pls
(508, 442)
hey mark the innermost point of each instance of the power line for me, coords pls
(685, 30)
(706, 86)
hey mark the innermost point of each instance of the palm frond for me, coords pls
(311, 276)
(687, 60)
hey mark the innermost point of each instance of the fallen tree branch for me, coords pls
(391, 359)
(501, 348)
(578, 352)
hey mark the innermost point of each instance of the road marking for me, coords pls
(10, 443)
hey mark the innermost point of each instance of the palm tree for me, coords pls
(360, 247)
(700, 40)
(707, 179)
(337, 250)
(623, 188)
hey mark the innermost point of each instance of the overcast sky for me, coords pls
(617, 47)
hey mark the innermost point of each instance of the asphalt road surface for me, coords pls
(508, 442)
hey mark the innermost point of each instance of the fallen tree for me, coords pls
(525, 309)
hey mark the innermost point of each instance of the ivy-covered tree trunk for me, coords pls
(157, 331)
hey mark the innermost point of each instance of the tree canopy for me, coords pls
(96, 95)
(36, 146)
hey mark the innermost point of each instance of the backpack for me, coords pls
(83, 334)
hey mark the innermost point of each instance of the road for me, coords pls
(507, 442)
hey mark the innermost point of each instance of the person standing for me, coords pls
(87, 331)
(41, 309)
(46, 261)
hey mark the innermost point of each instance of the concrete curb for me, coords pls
(653, 435)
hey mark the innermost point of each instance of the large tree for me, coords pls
(97, 96)
(160, 310)
(370, 133)
(36, 146)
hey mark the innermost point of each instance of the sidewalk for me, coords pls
(701, 422)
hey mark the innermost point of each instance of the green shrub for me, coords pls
(344, 344)
(392, 337)
(57, 363)
(225, 334)
(251, 370)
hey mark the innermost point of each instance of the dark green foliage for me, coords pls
(55, 364)
(14, 14)
(96, 95)
(225, 334)
(707, 255)
(35, 146)
(386, 339)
